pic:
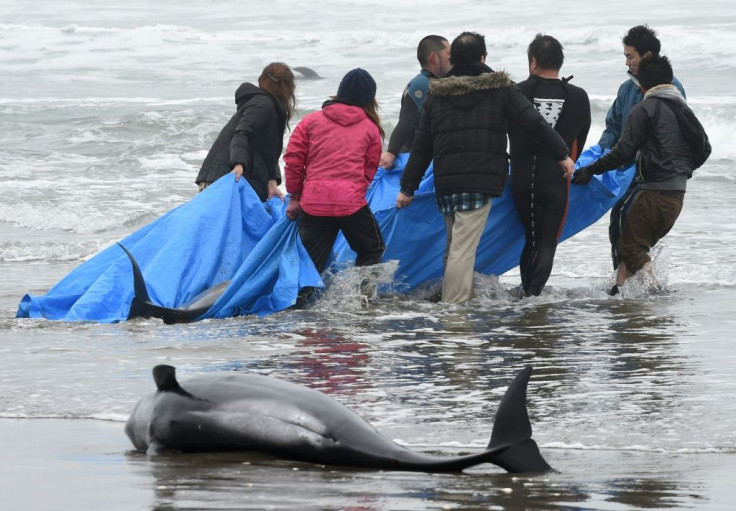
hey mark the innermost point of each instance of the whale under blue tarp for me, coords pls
(226, 234)
(196, 246)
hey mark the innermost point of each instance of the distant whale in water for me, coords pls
(307, 73)
(249, 412)
(144, 307)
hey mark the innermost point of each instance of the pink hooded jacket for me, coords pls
(331, 159)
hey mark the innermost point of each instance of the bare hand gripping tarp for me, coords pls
(226, 234)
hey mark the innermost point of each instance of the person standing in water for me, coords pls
(251, 142)
(540, 193)
(464, 127)
(661, 176)
(433, 54)
(330, 161)
(639, 42)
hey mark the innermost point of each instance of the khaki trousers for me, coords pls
(464, 229)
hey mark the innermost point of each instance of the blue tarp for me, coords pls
(213, 238)
(226, 234)
(415, 235)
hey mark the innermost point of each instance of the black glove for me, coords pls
(582, 176)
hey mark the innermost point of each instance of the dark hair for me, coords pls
(278, 80)
(642, 39)
(547, 51)
(371, 111)
(655, 70)
(428, 45)
(467, 48)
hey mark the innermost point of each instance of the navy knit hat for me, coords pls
(358, 87)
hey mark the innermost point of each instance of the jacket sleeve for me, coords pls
(422, 151)
(256, 114)
(295, 158)
(408, 116)
(520, 110)
(372, 154)
(633, 137)
(276, 174)
(613, 126)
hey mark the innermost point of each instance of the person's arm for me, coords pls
(611, 134)
(585, 128)
(295, 159)
(419, 159)
(631, 140)
(256, 114)
(372, 155)
(402, 134)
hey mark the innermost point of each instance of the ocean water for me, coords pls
(106, 113)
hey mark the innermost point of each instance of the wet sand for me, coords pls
(88, 464)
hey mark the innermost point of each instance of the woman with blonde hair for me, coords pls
(331, 159)
(250, 144)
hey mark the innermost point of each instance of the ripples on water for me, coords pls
(106, 117)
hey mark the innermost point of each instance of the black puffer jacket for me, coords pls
(253, 137)
(464, 125)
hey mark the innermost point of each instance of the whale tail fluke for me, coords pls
(512, 428)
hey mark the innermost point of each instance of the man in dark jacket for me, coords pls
(540, 196)
(639, 42)
(433, 54)
(664, 164)
(252, 139)
(464, 126)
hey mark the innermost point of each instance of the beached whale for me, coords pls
(142, 306)
(249, 412)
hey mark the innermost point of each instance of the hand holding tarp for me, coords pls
(582, 176)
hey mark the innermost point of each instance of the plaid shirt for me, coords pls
(465, 201)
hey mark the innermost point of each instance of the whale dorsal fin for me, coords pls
(165, 378)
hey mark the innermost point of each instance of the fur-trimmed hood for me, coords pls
(462, 85)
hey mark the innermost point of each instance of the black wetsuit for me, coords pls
(539, 190)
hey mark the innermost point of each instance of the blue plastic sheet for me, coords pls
(190, 249)
(415, 235)
(226, 234)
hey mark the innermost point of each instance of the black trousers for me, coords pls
(318, 234)
(541, 200)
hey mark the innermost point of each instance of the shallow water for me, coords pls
(105, 117)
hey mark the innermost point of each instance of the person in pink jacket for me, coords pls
(330, 160)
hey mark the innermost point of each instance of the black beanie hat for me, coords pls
(358, 87)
